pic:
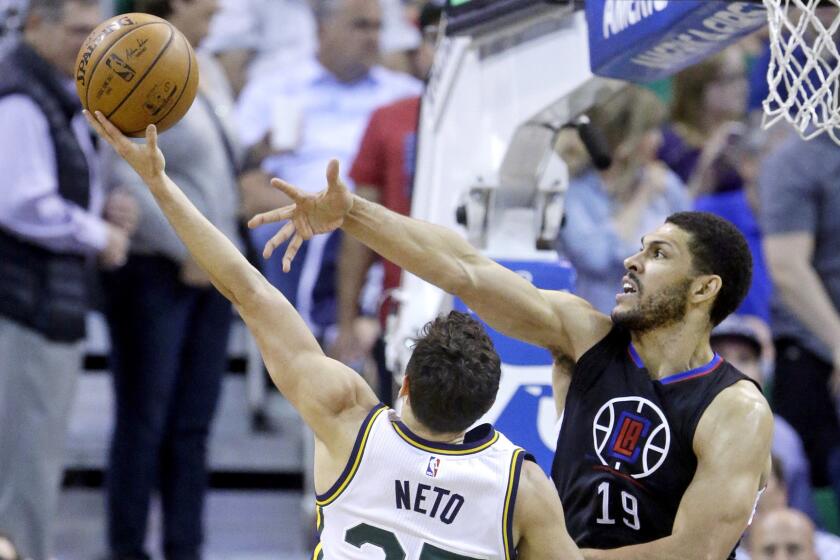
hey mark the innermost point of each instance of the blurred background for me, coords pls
(170, 392)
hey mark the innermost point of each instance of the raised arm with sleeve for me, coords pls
(509, 303)
(329, 396)
(30, 204)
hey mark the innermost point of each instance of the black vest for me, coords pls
(625, 452)
(41, 289)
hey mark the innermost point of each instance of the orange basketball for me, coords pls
(137, 69)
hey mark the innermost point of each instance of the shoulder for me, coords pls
(21, 104)
(400, 82)
(737, 410)
(19, 112)
(404, 106)
(799, 161)
(535, 493)
(298, 77)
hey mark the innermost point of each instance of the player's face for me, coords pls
(654, 293)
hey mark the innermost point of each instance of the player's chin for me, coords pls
(623, 308)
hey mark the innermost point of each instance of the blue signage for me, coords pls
(557, 275)
(645, 40)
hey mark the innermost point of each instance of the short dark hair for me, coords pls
(453, 374)
(717, 247)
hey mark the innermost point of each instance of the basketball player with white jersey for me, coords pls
(664, 446)
(417, 486)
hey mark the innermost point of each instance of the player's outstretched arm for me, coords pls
(538, 519)
(732, 444)
(508, 302)
(321, 389)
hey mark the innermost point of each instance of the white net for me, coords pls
(804, 72)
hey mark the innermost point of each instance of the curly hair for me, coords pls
(453, 374)
(717, 247)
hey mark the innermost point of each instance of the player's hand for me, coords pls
(146, 159)
(310, 214)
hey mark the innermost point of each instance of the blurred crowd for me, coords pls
(287, 85)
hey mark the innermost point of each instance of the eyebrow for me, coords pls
(658, 242)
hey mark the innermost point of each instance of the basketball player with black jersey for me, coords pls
(664, 446)
(414, 486)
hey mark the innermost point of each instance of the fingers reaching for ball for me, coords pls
(147, 160)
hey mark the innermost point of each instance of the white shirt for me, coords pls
(332, 117)
(30, 204)
(425, 498)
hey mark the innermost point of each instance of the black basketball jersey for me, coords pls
(625, 451)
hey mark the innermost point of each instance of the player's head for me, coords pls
(453, 374)
(56, 29)
(348, 36)
(191, 17)
(694, 263)
(782, 534)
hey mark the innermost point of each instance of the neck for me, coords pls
(419, 429)
(673, 349)
(343, 72)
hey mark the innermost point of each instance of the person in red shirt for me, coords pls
(383, 171)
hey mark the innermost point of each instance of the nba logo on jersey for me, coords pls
(432, 467)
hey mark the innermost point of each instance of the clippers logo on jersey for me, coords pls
(631, 435)
(432, 467)
(625, 440)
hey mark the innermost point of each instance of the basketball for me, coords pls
(137, 69)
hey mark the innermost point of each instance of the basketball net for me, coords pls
(804, 71)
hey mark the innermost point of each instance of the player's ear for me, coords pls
(403, 387)
(705, 288)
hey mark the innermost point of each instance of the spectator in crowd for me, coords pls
(800, 203)
(383, 171)
(707, 109)
(607, 212)
(255, 38)
(784, 534)
(51, 201)
(717, 155)
(169, 327)
(773, 500)
(743, 341)
(306, 116)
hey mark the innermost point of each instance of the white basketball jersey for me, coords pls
(404, 497)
